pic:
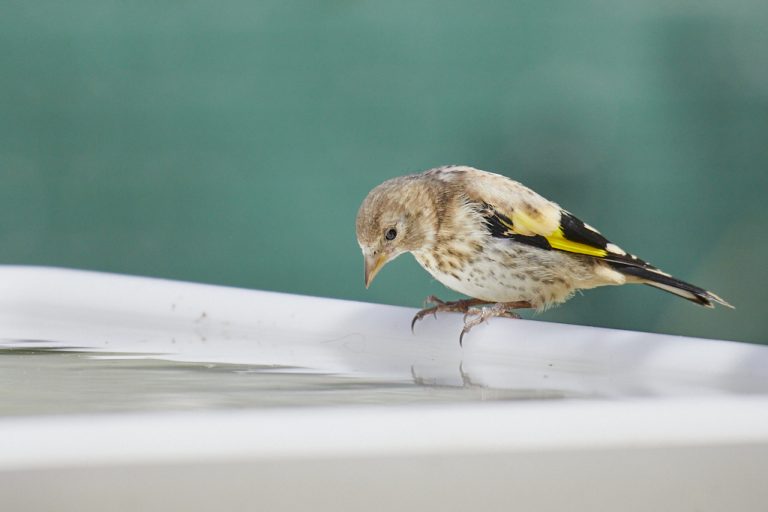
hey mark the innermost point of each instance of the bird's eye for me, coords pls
(390, 234)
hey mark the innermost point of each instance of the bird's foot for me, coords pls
(476, 316)
(458, 306)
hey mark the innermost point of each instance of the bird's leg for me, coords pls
(458, 306)
(473, 317)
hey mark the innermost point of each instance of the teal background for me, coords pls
(232, 142)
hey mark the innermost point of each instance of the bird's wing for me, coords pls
(514, 211)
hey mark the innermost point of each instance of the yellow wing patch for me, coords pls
(526, 225)
(558, 241)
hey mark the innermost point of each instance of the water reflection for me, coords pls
(39, 380)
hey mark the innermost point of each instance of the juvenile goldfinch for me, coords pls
(497, 241)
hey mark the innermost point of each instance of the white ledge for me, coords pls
(656, 422)
(57, 308)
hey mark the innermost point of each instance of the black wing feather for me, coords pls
(573, 229)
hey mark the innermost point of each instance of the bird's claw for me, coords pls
(473, 313)
(476, 316)
(480, 316)
(458, 306)
(421, 314)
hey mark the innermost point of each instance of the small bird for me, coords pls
(498, 242)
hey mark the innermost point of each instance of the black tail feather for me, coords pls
(656, 278)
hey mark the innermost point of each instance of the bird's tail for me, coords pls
(652, 276)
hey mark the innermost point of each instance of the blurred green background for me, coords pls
(232, 142)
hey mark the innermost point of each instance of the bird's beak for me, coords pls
(373, 264)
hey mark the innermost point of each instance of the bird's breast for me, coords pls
(504, 271)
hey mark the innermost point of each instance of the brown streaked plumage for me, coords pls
(498, 242)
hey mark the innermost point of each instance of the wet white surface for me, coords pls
(118, 372)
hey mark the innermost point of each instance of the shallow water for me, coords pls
(78, 342)
(62, 381)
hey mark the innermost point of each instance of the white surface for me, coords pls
(183, 321)
(380, 432)
(674, 423)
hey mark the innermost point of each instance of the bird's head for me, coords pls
(397, 216)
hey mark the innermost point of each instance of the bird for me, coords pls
(498, 242)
